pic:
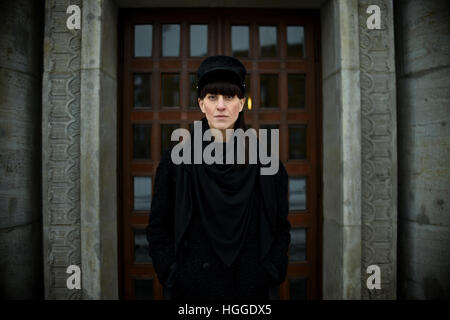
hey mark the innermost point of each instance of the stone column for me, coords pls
(379, 149)
(341, 151)
(61, 149)
(99, 150)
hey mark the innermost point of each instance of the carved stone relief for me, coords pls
(379, 152)
(61, 149)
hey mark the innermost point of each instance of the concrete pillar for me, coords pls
(341, 151)
(423, 77)
(21, 33)
(99, 150)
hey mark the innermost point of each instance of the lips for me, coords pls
(221, 117)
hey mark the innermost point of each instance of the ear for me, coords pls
(242, 102)
(200, 104)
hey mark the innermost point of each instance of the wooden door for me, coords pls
(160, 51)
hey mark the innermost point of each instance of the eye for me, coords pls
(229, 97)
(211, 97)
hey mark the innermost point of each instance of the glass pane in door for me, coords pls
(269, 90)
(198, 40)
(142, 135)
(170, 40)
(142, 90)
(143, 35)
(297, 193)
(141, 246)
(296, 91)
(240, 41)
(297, 249)
(295, 41)
(268, 41)
(142, 190)
(170, 90)
(297, 141)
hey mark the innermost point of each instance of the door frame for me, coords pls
(86, 75)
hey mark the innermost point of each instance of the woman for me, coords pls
(219, 231)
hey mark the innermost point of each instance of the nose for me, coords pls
(220, 103)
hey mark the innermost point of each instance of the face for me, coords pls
(221, 111)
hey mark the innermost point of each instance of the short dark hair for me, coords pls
(224, 88)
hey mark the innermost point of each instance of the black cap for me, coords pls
(221, 68)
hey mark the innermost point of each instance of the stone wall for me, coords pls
(423, 77)
(21, 30)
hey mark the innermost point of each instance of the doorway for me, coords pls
(159, 54)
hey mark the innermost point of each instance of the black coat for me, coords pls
(185, 262)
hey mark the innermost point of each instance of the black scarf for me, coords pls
(224, 194)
